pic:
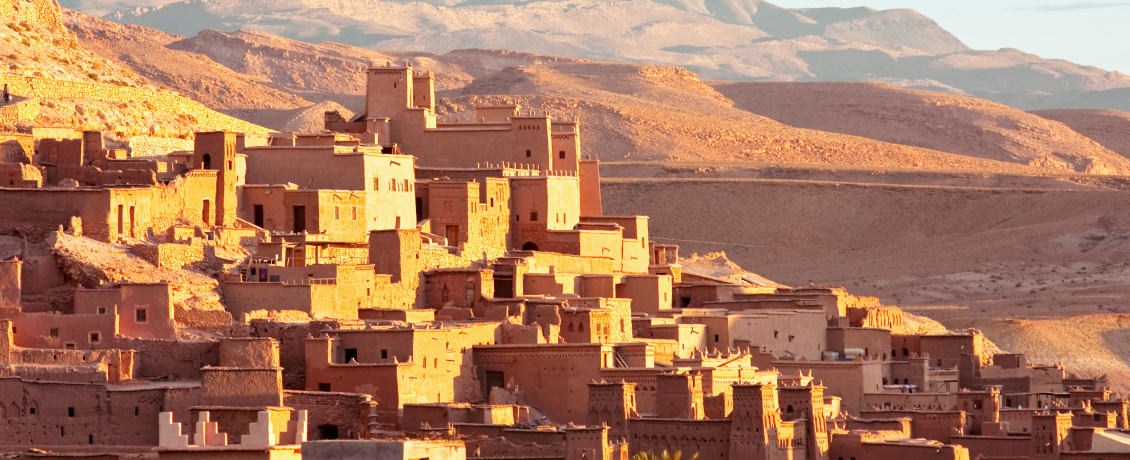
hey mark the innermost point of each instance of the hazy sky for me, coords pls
(1085, 32)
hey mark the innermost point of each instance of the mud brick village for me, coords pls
(400, 288)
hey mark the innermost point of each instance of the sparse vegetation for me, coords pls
(665, 455)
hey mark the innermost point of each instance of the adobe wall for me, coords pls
(250, 353)
(132, 414)
(292, 345)
(540, 262)
(171, 255)
(79, 332)
(462, 289)
(793, 333)
(850, 445)
(236, 387)
(319, 301)
(589, 177)
(53, 414)
(945, 350)
(650, 294)
(935, 425)
(709, 438)
(10, 283)
(173, 359)
(40, 273)
(37, 212)
(848, 380)
(388, 394)
(909, 401)
(16, 147)
(19, 112)
(875, 317)
(873, 342)
(388, 180)
(349, 412)
(551, 376)
(996, 447)
(156, 301)
(20, 175)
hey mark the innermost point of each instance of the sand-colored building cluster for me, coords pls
(398, 287)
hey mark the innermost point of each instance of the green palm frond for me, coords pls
(665, 455)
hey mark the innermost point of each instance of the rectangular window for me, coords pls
(350, 354)
(561, 154)
(376, 183)
(324, 387)
(95, 337)
(534, 216)
(384, 354)
(355, 213)
(54, 332)
(141, 315)
(337, 213)
(517, 218)
(70, 412)
(446, 206)
(529, 153)
(101, 310)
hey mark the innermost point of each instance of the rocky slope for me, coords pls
(35, 41)
(719, 40)
(92, 265)
(1111, 128)
(147, 51)
(49, 66)
(630, 111)
(939, 121)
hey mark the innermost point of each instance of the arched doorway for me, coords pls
(207, 163)
(529, 246)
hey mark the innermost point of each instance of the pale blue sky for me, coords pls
(1085, 32)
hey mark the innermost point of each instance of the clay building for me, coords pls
(422, 289)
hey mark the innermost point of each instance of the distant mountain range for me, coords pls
(744, 40)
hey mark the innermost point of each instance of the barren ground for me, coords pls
(967, 250)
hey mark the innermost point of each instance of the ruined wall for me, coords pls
(19, 112)
(171, 255)
(171, 359)
(349, 412)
